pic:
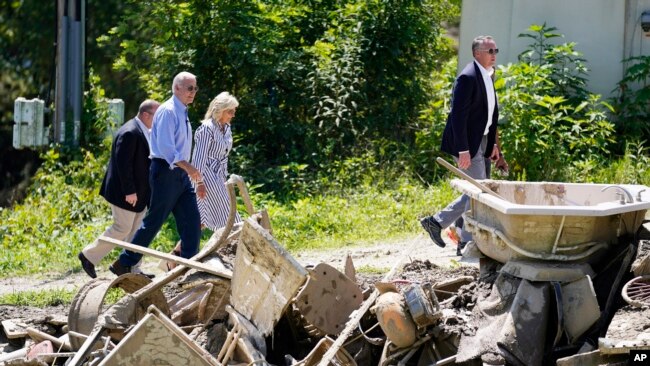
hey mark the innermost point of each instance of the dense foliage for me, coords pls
(315, 78)
(633, 102)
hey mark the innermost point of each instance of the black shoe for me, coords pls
(432, 227)
(118, 268)
(87, 265)
(139, 271)
(460, 247)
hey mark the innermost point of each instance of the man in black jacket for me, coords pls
(470, 135)
(125, 185)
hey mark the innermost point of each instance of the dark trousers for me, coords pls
(171, 192)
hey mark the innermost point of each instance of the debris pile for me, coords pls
(244, 300)
(262, 308)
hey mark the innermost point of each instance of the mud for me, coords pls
(629, 322)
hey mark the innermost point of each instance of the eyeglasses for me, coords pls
(491, 51)
(192, 88)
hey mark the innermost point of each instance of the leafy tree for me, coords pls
(568, 68)
(315, 78)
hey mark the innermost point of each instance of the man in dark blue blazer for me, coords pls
(470, 134)
(125, 185)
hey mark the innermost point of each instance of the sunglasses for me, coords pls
(491, 51)
(192, 88)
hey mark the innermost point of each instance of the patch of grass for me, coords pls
(113, 295)
(53, 297)
(353, 217)
(39, 299)
(371, 270)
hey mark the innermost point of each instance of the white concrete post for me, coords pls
(28, 123)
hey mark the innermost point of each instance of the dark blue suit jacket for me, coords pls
(128, 168)
(468, 117)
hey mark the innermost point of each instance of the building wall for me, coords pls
(605, 31)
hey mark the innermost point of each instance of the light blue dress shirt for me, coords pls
(171, 135)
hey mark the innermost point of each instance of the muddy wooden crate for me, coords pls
(551, 221)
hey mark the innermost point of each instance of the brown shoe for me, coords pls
(118, 268)
(172, 265)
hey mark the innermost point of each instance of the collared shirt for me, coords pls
(145, 130)
(171, 136)
(491, 97)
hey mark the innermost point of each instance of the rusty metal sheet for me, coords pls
(88, 303)
(328, 299)
(265, 277)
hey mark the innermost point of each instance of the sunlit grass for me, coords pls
(356, 217)
(53, 297)
(372, 270)
(41, 298)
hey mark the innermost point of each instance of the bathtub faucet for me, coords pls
(623, 194)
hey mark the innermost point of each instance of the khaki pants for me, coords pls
(125, 224)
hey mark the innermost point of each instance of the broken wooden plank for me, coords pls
(38, 336)
(265, 278)
(166, 256)
(641, 264)
(13, 329)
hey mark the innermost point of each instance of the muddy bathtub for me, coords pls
(552, 221)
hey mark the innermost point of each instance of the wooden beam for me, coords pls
(168, 257)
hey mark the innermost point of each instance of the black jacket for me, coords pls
(128, 168)
(468, 117)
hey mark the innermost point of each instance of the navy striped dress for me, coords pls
(210, 157)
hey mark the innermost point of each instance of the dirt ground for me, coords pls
(376, 257)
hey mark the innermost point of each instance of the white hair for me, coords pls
(223, 101)
(181, 78)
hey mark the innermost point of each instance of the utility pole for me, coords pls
(69, 71)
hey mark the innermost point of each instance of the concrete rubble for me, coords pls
(256, 305)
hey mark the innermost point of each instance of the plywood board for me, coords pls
(155, 341)
(265, 277)
(13, 330)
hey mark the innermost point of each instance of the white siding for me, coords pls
(606, 31)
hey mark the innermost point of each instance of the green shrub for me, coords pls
(632, 104)
(550, 128)
(431, 124)
(632, 168)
